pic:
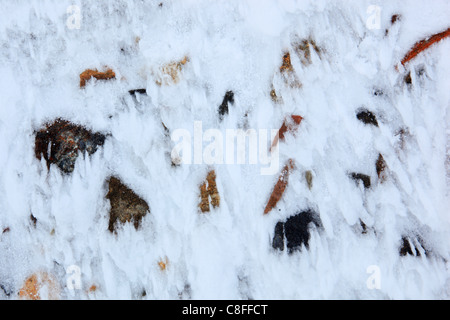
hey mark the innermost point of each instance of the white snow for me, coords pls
(231, 45)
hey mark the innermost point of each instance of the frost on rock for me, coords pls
(369, 141)
(60, 142)
(126, 205)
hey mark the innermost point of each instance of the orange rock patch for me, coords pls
(94, 73)
(31, 289)
(208, 189)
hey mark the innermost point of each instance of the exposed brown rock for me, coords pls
(94, 73)
(280, 187)
(60, 142)
(208, 189)
(286, 65)
(126, 206)
(309, 179)
(381, 167)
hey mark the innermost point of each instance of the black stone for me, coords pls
(367, 117)
(134, 91)
(223, 108)
(296, 230)
(407, 249)
(361, 177)
(7, 291)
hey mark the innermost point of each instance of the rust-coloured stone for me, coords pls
(35, 283)
(94, 73)
(288, 125)
(60, 142)
(423, 45)
(280, 187)
(126, 206)
(208, 189)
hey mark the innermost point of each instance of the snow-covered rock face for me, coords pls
(384, 233)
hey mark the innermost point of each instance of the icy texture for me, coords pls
(232, 46)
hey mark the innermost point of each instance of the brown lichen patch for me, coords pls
(37, 284)
(170, 73)
(304, 49)
(60, 142)
(288, 125)
(126, 206)
(94, 73)
(280, 187)
(208, 190)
